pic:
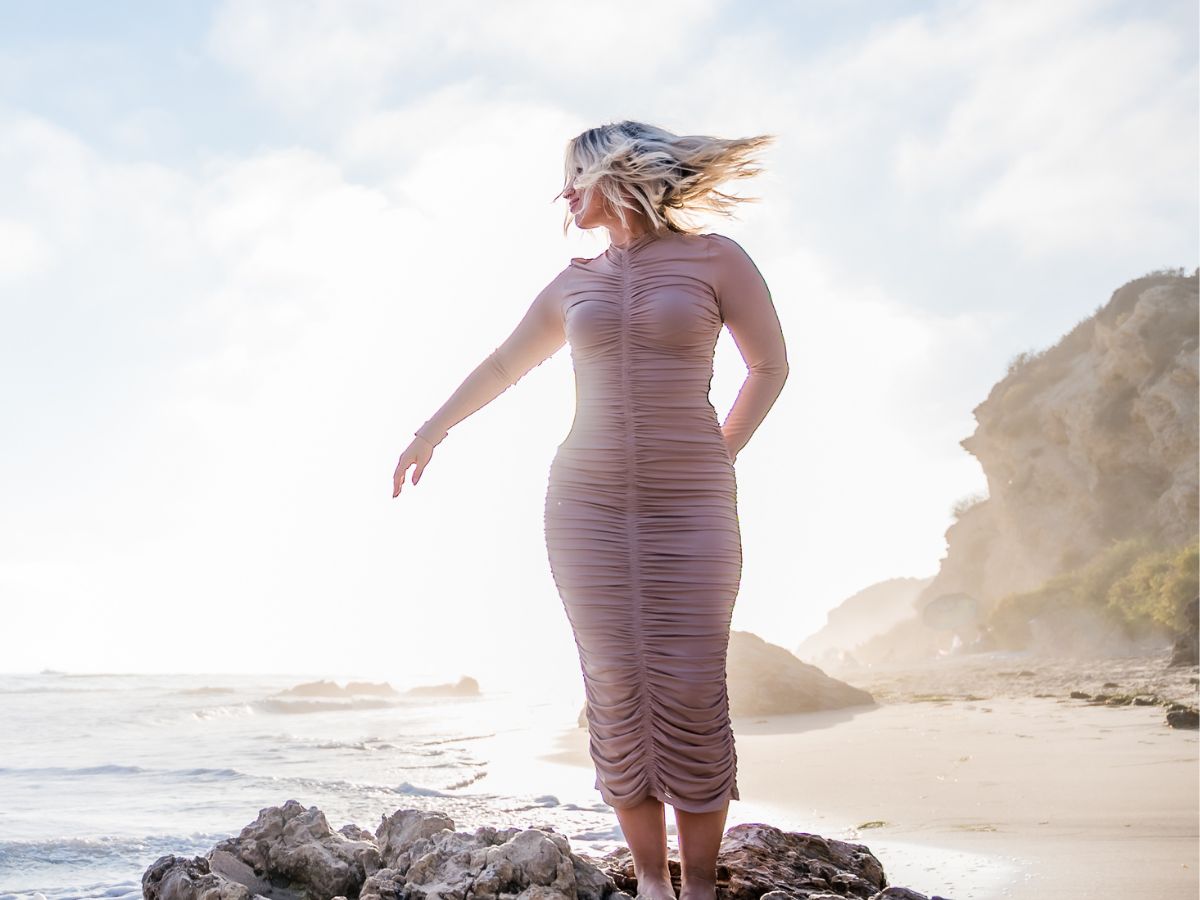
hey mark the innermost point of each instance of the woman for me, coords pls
(641, 520)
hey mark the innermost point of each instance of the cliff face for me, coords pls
(1091, 441)
(857, 619)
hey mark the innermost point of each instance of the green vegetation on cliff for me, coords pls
(1133, 589)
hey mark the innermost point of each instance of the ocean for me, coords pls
(102, 774)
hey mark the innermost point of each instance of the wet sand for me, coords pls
(1021, 792)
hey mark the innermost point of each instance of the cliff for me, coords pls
(1087, 446)
(872, 611)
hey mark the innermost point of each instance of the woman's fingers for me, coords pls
(419, 458)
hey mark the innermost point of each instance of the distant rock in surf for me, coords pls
(333, 689)
(465, 687)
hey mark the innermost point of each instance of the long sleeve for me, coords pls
(536, 338)
(748, 311)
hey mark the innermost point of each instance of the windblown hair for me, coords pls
(663, 176)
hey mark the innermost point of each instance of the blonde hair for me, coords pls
(666, 177)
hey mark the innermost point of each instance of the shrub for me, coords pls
(1158, 586)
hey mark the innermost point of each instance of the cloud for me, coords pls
(22, 249)
(224, 355)
(360, 55)
(1066, 130)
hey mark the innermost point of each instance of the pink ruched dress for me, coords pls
(641, 520)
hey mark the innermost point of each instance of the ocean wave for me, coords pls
(294, 707)
(98, 674)
(207, 690)
(343, 787)
(61, 858)
(468, 781)
(455, 739)
(221, 712)
(58, 689)
(192, 774)
(121, 890)
(85, 850)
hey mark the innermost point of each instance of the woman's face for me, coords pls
(587, 205)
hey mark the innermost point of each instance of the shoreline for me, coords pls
(981, 799)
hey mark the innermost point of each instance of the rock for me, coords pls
(465, 687)
(179, 878)
(757, 860)
(294, 848)
(382, 688)
(1186, 651)
(1179, 716)
(314, 689)
(902, 893)
(386, 884)
(224, 863)
(333, 689)
(425, 857)
(290, 853)
(354, 833)
(766, 679)
(398, 833)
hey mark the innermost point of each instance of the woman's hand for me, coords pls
(418, 453)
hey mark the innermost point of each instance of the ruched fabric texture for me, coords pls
(641, 521)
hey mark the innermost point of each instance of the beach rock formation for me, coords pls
(180, 878)
(872, 611)
(766, 679)
(296, 846)
(290, 853)
(333, 689)
(464, 687)
(1186, 651)
(1089, 442)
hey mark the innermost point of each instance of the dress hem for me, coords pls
(659, 794)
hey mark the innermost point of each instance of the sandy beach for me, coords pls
(1021, 792)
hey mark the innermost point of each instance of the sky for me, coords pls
(246, 248)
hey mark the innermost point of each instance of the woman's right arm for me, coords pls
(537, 337)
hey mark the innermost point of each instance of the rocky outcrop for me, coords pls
(181, 878)
(766, 679)
(333, 689)
(290, 853)
(464, 687)
(297, 847)
(1186, 651)
(1091, 441)
(870, 612)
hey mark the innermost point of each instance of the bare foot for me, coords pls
(703, 890)
(655, 889)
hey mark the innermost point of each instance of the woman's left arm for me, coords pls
(748, 311)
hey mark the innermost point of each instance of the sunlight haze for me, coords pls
(245, 252)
